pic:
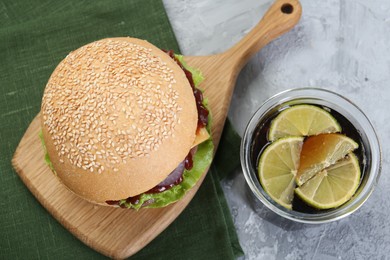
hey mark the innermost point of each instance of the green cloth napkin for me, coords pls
(34, 37)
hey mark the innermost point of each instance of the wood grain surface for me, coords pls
(119, 233)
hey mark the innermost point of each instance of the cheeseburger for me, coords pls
(123, 124)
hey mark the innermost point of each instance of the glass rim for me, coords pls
(345, 104)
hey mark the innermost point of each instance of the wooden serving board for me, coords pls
(119, 233)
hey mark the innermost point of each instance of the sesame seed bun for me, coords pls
(118, 115)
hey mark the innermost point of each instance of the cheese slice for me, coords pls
(201, 136)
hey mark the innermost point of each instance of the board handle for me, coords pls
(281, 17)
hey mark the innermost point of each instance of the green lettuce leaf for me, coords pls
(196, 74)
(201, 160)
(47, 157)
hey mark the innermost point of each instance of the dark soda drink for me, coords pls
(355, 125)
(260, 142)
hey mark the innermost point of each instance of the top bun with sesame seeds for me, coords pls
(118, 116)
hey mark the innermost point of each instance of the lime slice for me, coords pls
(278, 166)
(302, 120)
(321, 151)
(333, 186)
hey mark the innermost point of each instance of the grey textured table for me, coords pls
(338, 45)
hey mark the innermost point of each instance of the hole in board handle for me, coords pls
(287, 8)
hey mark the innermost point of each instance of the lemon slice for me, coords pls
(333, 186)
(321, 151)
(278, 166)
(302, 120)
